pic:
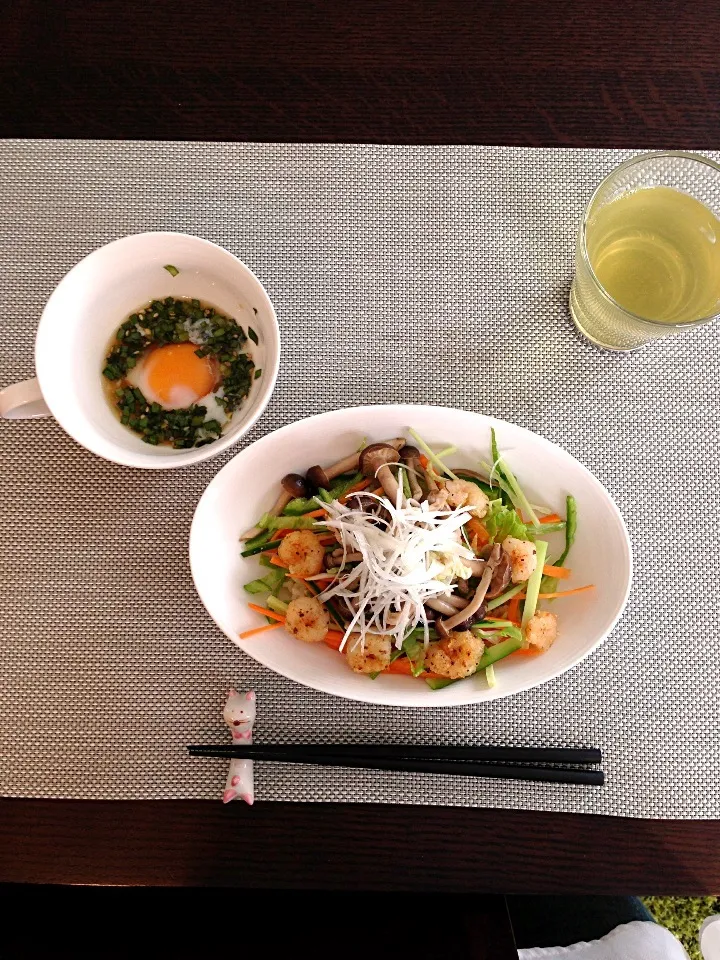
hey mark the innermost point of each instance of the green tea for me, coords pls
(656, 251)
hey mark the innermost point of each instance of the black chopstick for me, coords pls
(406, 751)
(290, 754)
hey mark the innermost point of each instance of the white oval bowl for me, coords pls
(248, 484)
(98, 294)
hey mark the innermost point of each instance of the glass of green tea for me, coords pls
(647, 262)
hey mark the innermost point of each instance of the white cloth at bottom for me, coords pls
(639, 940)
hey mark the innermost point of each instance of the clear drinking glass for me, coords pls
(601, 318)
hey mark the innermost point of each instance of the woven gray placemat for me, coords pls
(448, 268)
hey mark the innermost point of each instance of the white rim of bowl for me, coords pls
(485, 696)
(199, 454)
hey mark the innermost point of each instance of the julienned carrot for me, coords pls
(561, 593)
(333, 638)
(477, 529)
(512, 610)
(276, 561)
(327, 540)
(316, 513)
(403, 667)
(362, 485)
(551, 518)
(567, 593)
(252, 633)
(424, 461)
(561, 573)
(266, 612)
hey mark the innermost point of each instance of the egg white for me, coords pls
(214, 410)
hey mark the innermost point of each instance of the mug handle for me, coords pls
(23, 401)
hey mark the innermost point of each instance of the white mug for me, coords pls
(87, 307)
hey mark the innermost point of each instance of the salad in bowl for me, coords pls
(409, 555)
(408, 567)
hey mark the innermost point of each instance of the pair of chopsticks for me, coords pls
(501, 763)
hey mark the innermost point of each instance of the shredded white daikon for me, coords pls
(417, 555)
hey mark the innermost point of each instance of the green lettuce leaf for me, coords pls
(501, 521)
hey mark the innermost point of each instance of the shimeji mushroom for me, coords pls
(446, 605)
(293, 485)
(476, 605)
(374, 462)
(318, 476)
(410, 456)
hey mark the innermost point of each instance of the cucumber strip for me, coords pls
(257, 541)
(504, 597)
(343, 486)
(499, 651)
(570, 529)
(277, 605)
(256, 586)
(533, 584)
(300, 505)
(268, 522)
(432, 457)
(270, 545)
(523, 503)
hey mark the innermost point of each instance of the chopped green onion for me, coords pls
(432, 457)
(258, 374)
(253, 336)
(533, 584)
(173, 271)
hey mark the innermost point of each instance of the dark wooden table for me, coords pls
(633, 74)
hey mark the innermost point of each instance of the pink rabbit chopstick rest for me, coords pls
(239, 715)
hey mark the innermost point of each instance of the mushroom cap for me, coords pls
(409, 453)
(295, 484)
(376, 456)
(317, 477)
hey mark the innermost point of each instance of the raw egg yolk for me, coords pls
(177, 376)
